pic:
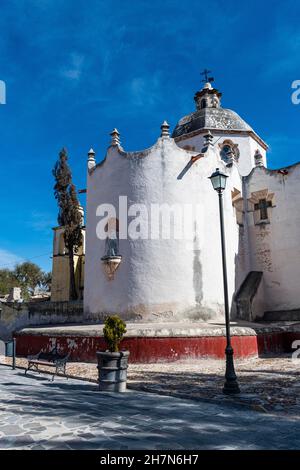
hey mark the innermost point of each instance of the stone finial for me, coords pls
(115, 137)
(91, 159)
(208, 139)
(165, 129)
(81, 211)
(258, 158)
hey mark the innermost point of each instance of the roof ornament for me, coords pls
(208, 96)
(91, 159)
(165, 129)
(208, 141)
(115, 137)
(258, 158)
(207, 78)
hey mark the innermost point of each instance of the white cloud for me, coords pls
(145, 91)
(41, 222)
(9, 259)
(74, 70)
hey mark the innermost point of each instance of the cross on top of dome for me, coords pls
(208, 97)
(207, 78)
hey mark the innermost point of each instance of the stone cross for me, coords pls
(262, 206)
(207, 79)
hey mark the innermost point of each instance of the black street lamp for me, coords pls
(231, 385)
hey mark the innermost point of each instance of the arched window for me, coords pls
(204, 103)
(225, 152)
(229, 151)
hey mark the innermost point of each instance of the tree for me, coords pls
(7, 281)
(46, 282)
(69, 215)
(26, 275)
(29, 276)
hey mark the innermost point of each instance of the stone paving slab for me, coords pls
(267, 383)
(36, 413)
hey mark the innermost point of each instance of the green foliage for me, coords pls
(26, 275)
(69, 215)
(46, 281)
(73, 221)
(7, 281)
(63, 179)
(114, 330)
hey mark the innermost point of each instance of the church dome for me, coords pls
(210, 118)
(210, 115)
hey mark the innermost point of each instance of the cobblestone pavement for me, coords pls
(36, 413)
(267, 383)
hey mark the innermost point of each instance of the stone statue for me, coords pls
(112, 248)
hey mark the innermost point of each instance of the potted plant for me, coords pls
(113, 363)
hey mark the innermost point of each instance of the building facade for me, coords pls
(60, 285)
(153, 248)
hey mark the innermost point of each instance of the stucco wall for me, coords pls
(14, 316)
(258, 303)
(60, 285)
(246, 143)
(161, 279)
(274, 247)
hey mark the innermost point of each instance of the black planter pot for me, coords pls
(112, 370)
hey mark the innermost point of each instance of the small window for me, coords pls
(225, 152)
(229, 151)
(262, 206)
(203, 103)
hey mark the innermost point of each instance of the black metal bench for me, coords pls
(50, 359)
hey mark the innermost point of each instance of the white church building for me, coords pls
(153, 250)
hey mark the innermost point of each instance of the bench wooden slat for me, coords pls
(43, 363)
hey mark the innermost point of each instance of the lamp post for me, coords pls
(231, 385)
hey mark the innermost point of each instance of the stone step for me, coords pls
(282, 315)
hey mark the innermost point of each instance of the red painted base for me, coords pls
(147, 350)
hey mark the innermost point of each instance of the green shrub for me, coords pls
(114, 330)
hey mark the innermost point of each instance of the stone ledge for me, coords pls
(164, 330)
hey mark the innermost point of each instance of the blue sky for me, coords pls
(76, 69)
